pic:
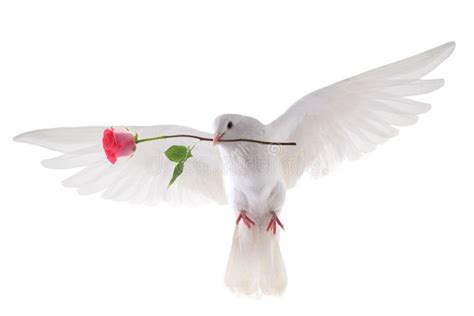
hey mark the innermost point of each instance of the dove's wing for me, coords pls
(353, 116)
(142, 178)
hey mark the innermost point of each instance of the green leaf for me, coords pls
(177, 153)
(178, 170)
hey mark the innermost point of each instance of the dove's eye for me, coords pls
(229, 125)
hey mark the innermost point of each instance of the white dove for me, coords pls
(339, 122)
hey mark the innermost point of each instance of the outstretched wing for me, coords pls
(353, 116)
(142, 178)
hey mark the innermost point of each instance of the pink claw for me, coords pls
(274, 220)
(247, 221)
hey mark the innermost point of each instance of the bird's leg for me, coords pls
(274, 220)
(247, 221)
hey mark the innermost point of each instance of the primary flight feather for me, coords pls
(339, 122)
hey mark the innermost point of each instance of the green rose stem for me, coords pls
(179, 154)
(222, 140)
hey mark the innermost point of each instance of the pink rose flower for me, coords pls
(118, 144)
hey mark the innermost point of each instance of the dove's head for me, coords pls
(234, 126)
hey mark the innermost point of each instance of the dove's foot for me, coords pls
(272, 225)
(243, 217)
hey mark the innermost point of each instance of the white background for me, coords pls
(391, 234)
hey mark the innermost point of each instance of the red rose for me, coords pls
(118, 144)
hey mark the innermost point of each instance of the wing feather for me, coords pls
(142, 178)
(353, 116)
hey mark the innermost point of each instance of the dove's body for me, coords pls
(249, 182)
(254, 185)
(333, 124)
(255, 263)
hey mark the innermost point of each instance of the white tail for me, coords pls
(255, 263)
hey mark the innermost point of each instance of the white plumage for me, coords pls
(339, 122)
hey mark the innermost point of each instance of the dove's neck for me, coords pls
(243, 154)
(249, 163)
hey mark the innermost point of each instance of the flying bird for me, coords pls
(336, 123)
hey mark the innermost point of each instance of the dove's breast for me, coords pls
(252, 178)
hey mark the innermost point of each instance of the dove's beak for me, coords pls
(217, 138)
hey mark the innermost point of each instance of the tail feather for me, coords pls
(255, 263)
